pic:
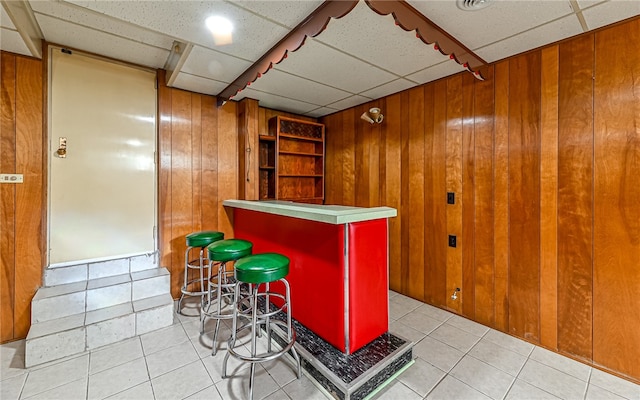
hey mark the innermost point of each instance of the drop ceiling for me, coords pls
(357, 58)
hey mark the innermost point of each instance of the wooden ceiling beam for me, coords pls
(311, 26)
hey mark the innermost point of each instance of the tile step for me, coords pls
(59, 275)
(74, 334)
(54, 302)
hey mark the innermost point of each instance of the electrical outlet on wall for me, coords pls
(451, 198)
(453, 241)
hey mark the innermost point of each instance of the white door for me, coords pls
(102, 193)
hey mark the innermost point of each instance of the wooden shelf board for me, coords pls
(301, 175)
(295, 137)
(267, 138)
(301, 153)
(266, 167)
(300, 198)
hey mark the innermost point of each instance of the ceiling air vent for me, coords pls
(473, 5)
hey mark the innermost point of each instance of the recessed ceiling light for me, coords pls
(473, 5)
(221, 28)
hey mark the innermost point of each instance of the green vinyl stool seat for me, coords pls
(229, 250)
(221, 284)
(262, 268)
(259, 271)
(203, 238)
(197, 240)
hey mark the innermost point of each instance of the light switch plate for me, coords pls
(11, 178)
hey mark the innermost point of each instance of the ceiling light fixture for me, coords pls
(221, 28)
(373, 115)
(473, 5)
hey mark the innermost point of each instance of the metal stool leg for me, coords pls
(234, 326)
(186, 279)
(290, 327)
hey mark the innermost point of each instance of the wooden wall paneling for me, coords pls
(391, 185)
(467, 197)
(363, 132)
(453, 178)
(549, 199)
(616, 278)
(7, 195)
(524, 196)
(181, 183)
(483, 202)
(29, 244)
(248, 128)
(575, 197)
(251, 175)
(416, 193)
(209, 163)
(501, 196)
(196, 161)
(243, 143)
(374, 160)
(348, 157)
(404, 191)
(333, 158)
(164, 173)
(227, 164)
(435, 197)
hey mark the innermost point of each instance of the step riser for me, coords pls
(137, 321)
(89, 308)
(54, 347)
(76, 273)
(48, 308)
(154, 319)
(111, 331)
(58, 307)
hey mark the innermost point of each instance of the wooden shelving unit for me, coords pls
(267, 167)
(292, 161)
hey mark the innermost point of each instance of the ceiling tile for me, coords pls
(293, 87)
(97, 42)
(435, 72)
(11, 40)
(276, 102)
(557, 30)
(588, 3)
(198, 84)
(349, 102)
(211, 64)
(317, 61)
(185, 20)
(500, 20)
(377, 40)
(612, 11)
(321, 112)
(5, 21)
(98, 21)
(388, 88)
(287, 13)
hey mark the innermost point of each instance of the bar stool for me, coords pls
(222, 282)
(259, 270)
(197, 240)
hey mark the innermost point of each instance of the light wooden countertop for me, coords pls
(330, 214)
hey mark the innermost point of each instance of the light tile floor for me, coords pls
(454, 359)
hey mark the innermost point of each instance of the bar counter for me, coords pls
(339, 263)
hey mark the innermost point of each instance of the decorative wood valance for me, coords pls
(405, 16)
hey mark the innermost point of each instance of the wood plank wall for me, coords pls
(202, 161)
(22, 219)
(198, 169)
(543, 158)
